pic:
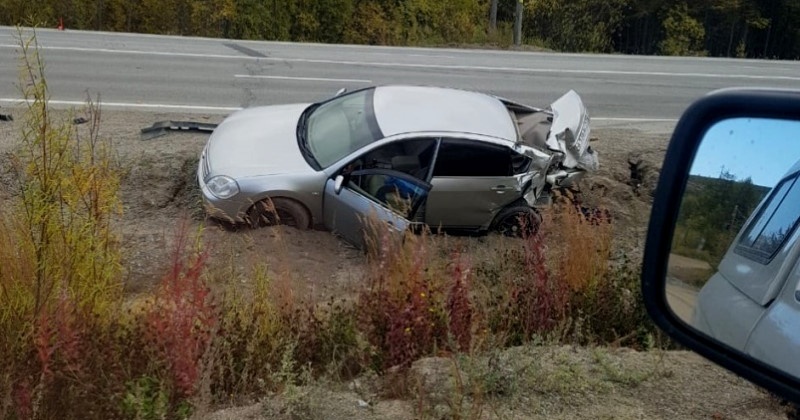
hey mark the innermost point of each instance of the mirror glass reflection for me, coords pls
(734, 266)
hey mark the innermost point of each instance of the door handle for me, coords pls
(502, 188)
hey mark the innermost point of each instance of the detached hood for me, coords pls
(257, 141)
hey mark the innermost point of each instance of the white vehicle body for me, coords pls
(462, 160)
(752, 303)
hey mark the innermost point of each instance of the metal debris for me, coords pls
(160, 128)
(6, 117)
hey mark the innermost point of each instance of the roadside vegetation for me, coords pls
(75, 346)
(712, 213)
(721, 28)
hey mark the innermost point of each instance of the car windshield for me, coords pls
(341, 126)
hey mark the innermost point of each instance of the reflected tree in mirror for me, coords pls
(734, 265)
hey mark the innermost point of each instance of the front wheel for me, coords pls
(279, 211)
(518, 221)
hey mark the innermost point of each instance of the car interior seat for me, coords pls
(393, 197)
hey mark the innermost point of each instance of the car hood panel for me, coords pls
(257, 141)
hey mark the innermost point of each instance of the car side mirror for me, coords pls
(721, 271)
(338, 183)
(339, 92)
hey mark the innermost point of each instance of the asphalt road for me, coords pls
(215, 75)
(681, 298)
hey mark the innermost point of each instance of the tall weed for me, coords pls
(59, 257)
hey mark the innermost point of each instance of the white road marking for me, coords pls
(309, 79)
(396, 54)
(132, 105)
(423, 66)
(139, 52)
(428, 55)
(631, 119)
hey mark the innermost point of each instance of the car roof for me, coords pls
(409, 109)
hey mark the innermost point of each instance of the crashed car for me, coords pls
(409, 155)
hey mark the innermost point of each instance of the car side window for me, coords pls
(778, 218)
(463, 158)
(411, 156)
(393, 174)
(394, 190)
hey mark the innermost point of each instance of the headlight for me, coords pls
(223, 186)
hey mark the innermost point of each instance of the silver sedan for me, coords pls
(408, 155)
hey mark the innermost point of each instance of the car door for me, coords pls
(353, 210)
(472, 181)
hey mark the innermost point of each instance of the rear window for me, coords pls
(766, 233)
(472, 159)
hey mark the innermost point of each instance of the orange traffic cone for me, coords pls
(60, 24)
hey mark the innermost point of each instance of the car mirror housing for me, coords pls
(721, 269)
(338, 183)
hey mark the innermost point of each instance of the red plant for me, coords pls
(459, 307)
(535, 302)
(23, 400)
(418, 301)
(412, 329)
(181, 320)
(548, 305)
(57, 338)
(402, 311)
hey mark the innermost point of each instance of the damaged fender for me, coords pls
(533, 182)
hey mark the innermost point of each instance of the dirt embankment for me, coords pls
(534, 383)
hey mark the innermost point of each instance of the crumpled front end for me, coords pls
(570, 132)
(558, 140)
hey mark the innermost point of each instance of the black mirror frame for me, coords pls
(689, 132)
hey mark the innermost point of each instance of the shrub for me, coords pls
(425, 298)
(402, 310)
(59, 260)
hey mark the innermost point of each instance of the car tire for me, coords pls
(518, 220)
(279, 211)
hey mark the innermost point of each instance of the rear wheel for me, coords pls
(518, 220)
(279, 211)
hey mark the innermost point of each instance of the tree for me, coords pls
(683, 35)
(713, 211)
(493, 15)
(579, 26)
(743, 28)
(518, 22)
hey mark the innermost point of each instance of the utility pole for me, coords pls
(518, 24)
(493, 16)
